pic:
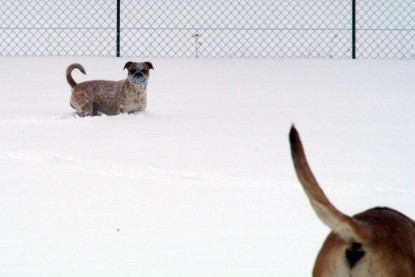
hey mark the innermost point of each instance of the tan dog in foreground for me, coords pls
(110, 97)
(377, 242)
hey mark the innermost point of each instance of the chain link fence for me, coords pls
(386, 29)
(57, 28)
(208, 29)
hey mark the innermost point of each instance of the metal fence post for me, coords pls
(118, 27)
(353, 29)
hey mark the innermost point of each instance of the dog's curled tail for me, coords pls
(71, 81)
(348, 228)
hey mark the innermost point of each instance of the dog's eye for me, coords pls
(145, 71)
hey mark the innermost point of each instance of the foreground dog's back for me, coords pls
(377, 242)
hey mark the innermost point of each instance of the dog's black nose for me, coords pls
(138, 74)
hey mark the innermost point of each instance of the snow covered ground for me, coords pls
(201, 184)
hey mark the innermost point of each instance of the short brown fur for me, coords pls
(111, 97)
(378, 242)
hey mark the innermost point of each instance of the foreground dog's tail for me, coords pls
(348, 228)
(71, 81)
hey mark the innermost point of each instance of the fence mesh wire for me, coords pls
(57, 28)
(209, 29)
(386, 29)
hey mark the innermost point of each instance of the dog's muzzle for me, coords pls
(138, 78)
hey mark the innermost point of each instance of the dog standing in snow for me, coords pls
(111, 97)
(378, 242)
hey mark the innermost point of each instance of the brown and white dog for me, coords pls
(111, 97)
(377, 242)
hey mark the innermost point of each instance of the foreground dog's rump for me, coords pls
(377, 242)
(111, 97)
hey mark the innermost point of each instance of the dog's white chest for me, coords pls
(131, 107)
(134, 104)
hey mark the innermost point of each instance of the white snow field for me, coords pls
(201, 183)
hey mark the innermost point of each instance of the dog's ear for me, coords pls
(149, 65)
(127, 65)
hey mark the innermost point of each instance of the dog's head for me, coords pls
(138, 73)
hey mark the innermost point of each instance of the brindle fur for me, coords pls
(109, 97)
